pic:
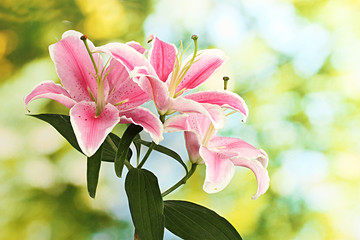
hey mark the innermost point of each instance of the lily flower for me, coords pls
(99, 97)
(219, 154)
(169, 77)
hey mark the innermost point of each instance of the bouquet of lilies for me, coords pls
(105, 86)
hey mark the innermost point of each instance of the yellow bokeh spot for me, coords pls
(104, 19)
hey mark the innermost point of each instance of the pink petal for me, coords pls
(193, 134)
(241, 148)
(156, 90)
(213, 112)
(247, 156)
(260, 172)
(162, 57)
(73, 65)
(207, 62)
(127, 56)
(192, 122)
(48, 89)
(193, 143)
(122, 89)
(91, 131)
(145, 118)
(221, 98)
(137, 46)
(219, 170)
(177, 122)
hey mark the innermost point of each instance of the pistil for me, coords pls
(178, 72)
(226, 79)
(100, 98)
(208, 134)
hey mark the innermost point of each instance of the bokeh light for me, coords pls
(295, 62)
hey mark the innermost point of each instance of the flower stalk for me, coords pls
(182, 181)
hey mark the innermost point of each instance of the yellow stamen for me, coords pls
(179, 72)
(232, 112)
(208, 134)
(123, 101)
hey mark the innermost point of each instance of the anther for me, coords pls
(150, 38)
(83, 37)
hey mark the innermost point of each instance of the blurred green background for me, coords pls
(297, 65)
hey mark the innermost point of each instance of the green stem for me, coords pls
(151, 147)
(112, 144)
(182, 181)
(162, 118)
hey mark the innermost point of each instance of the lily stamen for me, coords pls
(178, 71)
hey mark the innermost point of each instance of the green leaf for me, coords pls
(137, 146)
(92, 173)
(146, 204)
(166, 151)
(109, 150)
(123, 149)
(62, 124)
(192, 221)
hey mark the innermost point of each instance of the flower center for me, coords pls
(179, 72)
(100, 80)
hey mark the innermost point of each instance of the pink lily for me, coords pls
(98, 97)
(220, 154)
(168, 78)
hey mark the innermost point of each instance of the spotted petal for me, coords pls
(127, 56)
(260, 172)
(48, 89)
(155, 89)
(246, 155)
(223, 98)
(74, 66)
(213, 112)
(91, 131)
(137, 46)
(124, 92)
(219, 170)
(145, 118)
(207, 62)
(162, 57)
(241, 148)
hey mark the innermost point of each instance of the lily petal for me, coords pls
(194, 122)
(193, 143)
(48, 89)
(176, 123)
(124, 92)
(137, 46)
(207, 62)
(145, 118)
(219, 170)
(74, 66)
(127, 56)
(193, 133)
(260, 172)
(156, 90)
(91, 131)
(221, 98)
(213, 112)
(241, 148)
(162, 57)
